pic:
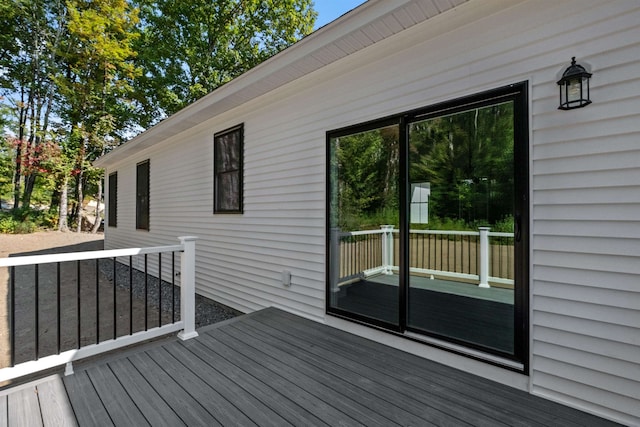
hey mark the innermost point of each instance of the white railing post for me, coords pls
(334, 259)
(483, 268)
(387, 248)
(188, 287)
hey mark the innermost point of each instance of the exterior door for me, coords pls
(428, 215)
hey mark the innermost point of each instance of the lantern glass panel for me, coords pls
(575, 90)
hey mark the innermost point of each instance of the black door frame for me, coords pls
(518, 93)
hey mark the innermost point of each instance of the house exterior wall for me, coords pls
(585, 184)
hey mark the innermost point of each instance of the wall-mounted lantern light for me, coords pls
(574, 87)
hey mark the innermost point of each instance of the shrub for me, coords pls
(24, 227)
(7, 223)
(19, 222)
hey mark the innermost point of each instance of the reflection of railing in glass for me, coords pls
(460, 255)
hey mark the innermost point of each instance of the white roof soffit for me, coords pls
(369, 23)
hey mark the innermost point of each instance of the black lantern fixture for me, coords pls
(574, 87)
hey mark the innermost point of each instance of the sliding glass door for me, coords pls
(463, 163)
(427, 221)
(363, 222)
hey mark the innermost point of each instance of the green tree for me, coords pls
(95, 81)
(30, 38)
(468, 159)
(6, 167)
(187, 49)
(366, 172)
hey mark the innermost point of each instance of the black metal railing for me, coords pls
(94, 296)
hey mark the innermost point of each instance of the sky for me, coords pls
(329, 10)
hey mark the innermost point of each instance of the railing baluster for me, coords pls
(159, 289)
(115, 302)
(173, 287)
(469, 254)
(146, 293)
(367, 247)
(130, 295)
(349, 250)
(441, 253)
(455, 253)
(424, 250)
(12, 314)
(78, 300)
(58, 314)
(499, 259)
(448, 254)
(97, 303)
(350, 263)
(37, 313)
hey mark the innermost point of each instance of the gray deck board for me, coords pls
(428, 398)
(85, 401)
(426, 403)
(115, 398)
(4, 414)
(272, 368)
(285, 366)
(24, 409)
(421, 373)
(523, 407)
(372, 397)
(155, 410)
(288, 409)
(183, 403)
(54, 405)
(285, 385)
(256, 410)
(221, 409)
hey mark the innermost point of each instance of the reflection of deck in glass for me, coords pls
(462, 311)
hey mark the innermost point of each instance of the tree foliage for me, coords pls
(95, 76)
(366, 172)
(466, 158)
(81, 76)
(187, 49)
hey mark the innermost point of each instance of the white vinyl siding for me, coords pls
(585, 180)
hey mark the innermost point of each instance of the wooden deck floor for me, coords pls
(271, 368)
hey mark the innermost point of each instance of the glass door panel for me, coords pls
(363, 222)
(461, 234)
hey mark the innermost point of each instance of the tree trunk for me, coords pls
(18, 173)
(96, 224)
(62, 218)
(16, 179)
(55, 199)
(29, 183)
(80, 197)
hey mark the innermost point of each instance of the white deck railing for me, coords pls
(186, 323)
(387, 252)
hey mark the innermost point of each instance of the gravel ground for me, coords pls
(207, 311)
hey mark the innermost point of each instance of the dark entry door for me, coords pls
(427, 218)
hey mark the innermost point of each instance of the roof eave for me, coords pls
(257, 82)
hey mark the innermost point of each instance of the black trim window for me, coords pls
(142, 196)
(228, 170)
(112, 208)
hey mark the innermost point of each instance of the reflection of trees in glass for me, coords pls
(364, 178)
(468, 159)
